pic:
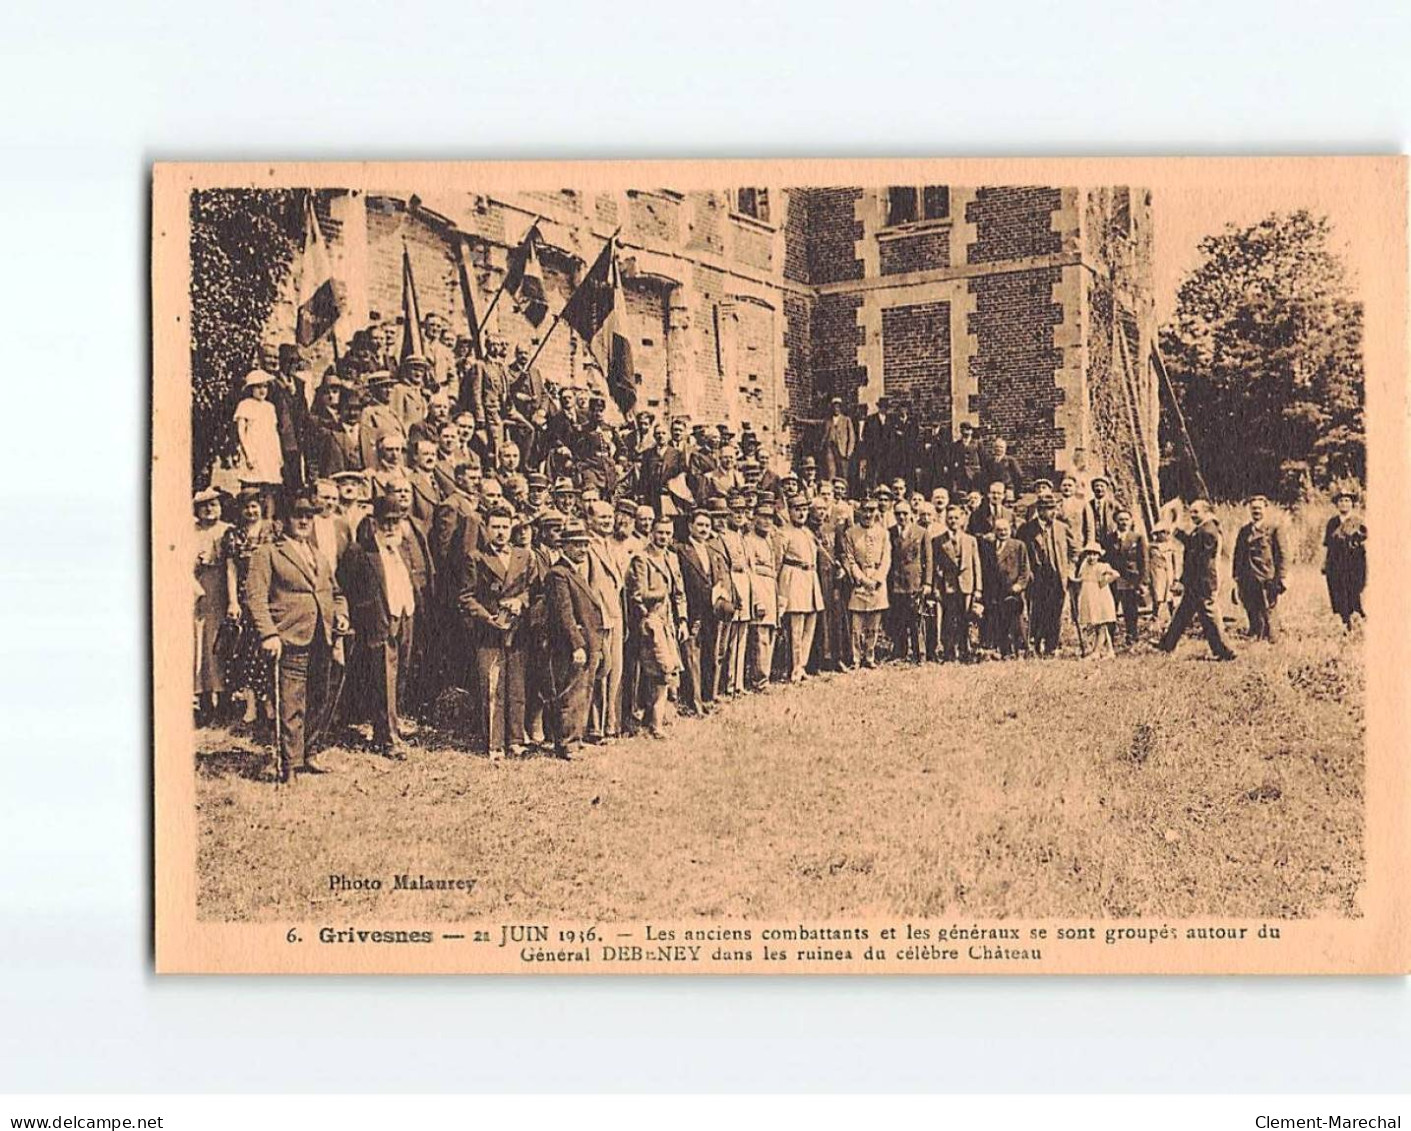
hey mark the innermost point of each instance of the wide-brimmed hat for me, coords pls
(209, 495)
(256, 377)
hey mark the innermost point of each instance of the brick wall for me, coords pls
(796, 234)
(916, 360)
(654, 218)
(1013, 223)
(924, 251)
(834, 230)
(752, 247)
(757, 393)
(798, 369)
(835, 338)
(1015, 362)
(646, 321)
(433, 267)
(707, 211)
(710, 289)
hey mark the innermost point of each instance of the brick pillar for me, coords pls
(681, 384)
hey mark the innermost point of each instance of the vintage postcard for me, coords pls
(826, 567)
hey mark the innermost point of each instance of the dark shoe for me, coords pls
(311, 768)
(1225, 657)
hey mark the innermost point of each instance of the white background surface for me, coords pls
(93, 92)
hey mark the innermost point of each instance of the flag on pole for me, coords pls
(466, 270)
(526, 279)
(321, 297)
(598, 309)
(411, 311)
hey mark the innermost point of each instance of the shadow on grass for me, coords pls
(250, 764)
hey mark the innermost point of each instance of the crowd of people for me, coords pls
(446, 528)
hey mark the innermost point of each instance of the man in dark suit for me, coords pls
(494, 594)
(955, 578)
(983, 518)
(1128, 555)
(910, 577)
(377, 581)
(426, 494)
(575, 636)
(705, 579)
(1004, 563)
(297, 609)
(1053, 549)
(967, 464)
(1103, 507)
(1260, 566)
(1000, 466)
(1200, 582)
(874, 438)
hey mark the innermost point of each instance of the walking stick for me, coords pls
(281, 768)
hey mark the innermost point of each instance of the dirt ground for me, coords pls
(1144, 785)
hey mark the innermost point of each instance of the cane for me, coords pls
(281, 764)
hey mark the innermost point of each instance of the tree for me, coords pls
(1265, 353)
(242, 245)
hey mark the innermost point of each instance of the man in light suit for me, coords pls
(956, 579)
(607, 579)
(839, 442)
(298, 610)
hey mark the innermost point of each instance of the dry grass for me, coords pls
(1147, 785)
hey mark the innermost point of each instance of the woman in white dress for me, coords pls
(257, 430)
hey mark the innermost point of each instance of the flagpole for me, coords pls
(505, 281)
(559, 318)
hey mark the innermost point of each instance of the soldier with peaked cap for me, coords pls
(865, 549)
(730, 676)
(800, 592)
(575, 634)
(763, 552)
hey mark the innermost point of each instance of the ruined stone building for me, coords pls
(1026, 310)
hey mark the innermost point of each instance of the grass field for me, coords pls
(1144, 785)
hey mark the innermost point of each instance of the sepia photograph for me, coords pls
(729, 572)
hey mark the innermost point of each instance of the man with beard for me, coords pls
(377, 581)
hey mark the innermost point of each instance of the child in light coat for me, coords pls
(1097, 609)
